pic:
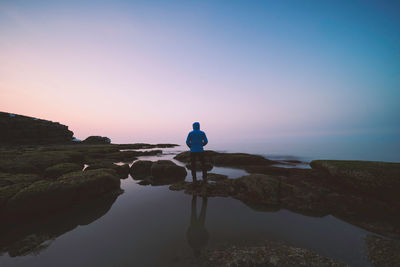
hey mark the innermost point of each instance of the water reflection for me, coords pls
(36, 236)
(197, 234)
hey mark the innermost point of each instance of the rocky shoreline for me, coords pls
(39, 180)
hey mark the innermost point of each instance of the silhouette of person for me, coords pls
(197, 233)
(196, 139)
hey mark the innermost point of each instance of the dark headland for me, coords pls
(46, 172)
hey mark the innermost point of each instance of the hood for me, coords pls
(196, 126)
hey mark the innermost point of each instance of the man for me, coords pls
(196, 140)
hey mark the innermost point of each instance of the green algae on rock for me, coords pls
(161, 172)
(228, 159)
(377, 178)
(141, 169)
(122, 170)
(46, 195)
(60, 169)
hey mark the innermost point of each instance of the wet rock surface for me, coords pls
(307, 193)
(45, 196)
(39, 179)
(330, 188)
(382, 251)
(60, 169)
(268, 254)
(141, 169)
(121, 170)
(228, 159)
(382, 179)
(161, 172)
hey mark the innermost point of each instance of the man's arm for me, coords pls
(188, 140)
(205, 140)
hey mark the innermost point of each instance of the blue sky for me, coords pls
(247, 70)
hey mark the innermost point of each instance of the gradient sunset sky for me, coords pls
(144, 71)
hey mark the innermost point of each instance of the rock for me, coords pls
(383, 252)
(46, 196)
(293, 161)
(60, 169)
(122, 170)
(161, 172)
(118, 156)
(165, 145)
(7, 192)
(268, 254)
(145, 146)
(265, 169)
(216, 177)
(228, 159)
(179, 186)
(18, 130)
(10, 178)
(123, 156)
(141, 169)
(185, 156)
(380, 179)
(37, 161)
(258, 188)
(17, 166)
(98, 140)
(45, 159)
(166, 172)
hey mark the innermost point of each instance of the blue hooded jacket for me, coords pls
(196, 139)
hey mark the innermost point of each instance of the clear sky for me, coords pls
(246, 70)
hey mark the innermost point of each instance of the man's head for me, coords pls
(196, 126)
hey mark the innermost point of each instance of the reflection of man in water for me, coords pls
(196, 140)
(197, 234)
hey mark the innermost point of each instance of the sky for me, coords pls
(144, 71)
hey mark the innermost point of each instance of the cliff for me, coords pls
(18, 129)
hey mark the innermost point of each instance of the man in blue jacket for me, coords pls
(196, 140)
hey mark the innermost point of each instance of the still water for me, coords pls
(150, 226)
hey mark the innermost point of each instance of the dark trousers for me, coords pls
(194, 156)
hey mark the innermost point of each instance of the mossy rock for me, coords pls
(11, 178)
(47, 195)
(17, 166)
(237, 160)
(60, 169)
(7, 192)
(162, 168)
(44, 159)
(141, 169)
(258, 188)
(379, 178)
(124, 156)
(122, 170)
(165, 171)
(75, 156)
(383, 252)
